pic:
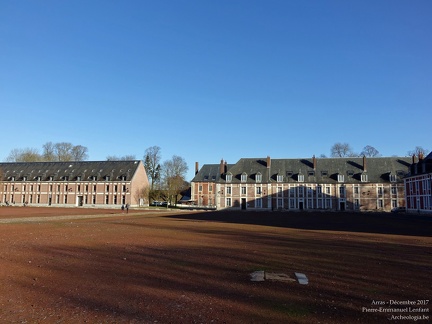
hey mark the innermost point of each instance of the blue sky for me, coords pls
(208, 80)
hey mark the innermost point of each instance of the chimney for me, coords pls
(314, 162)
(364, 163)
(413, 158)
(196, 167)
(225, 167)
(221, 167)
(420, 156)
(268, 162)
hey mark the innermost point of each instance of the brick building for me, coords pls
(418, 185)
(302, 184)
(65, 184)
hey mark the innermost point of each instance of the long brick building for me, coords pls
(418, 185)
(63, 184)
(302, 184)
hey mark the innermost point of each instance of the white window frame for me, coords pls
(258, 177)
(243, 177)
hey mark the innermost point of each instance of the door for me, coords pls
(80, 200)
(243, 203)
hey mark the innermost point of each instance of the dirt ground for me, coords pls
(147, 266)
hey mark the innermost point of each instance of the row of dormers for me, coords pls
(67, 178)
(299, 177)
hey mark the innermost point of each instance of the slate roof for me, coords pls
(326, 171)
(60, 171)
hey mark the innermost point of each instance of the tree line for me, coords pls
(345, 150)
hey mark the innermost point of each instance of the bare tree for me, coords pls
(341, 150)
(63, 151)
(120, 158)
(79, 153)
(51, 152)
(370, 151)
(24, 155)
(418, 151)
(174, 172)
(152, 159)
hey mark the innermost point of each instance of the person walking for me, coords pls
(127, 208)
(123, 207)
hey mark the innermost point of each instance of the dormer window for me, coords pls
(300, 178)
(243, 177)
(393, 177)
(258, 177)
(24, 178)
(228, 177)
(107, 178)
(78, 178)
(279, 178)
(12, 178)
(364, 177)
(341, 178)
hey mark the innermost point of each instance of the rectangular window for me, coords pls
(243, 177)
(356, 190)
(342, 191)
(228, 190)
(393, 190)
(341, 178)
(106, 199)
(258, 190)
(258, 178)
(380, 191)
(364, 177)
(292, 203)
(229, 177)
(300, 191)
(258, 203)
(280, 191)
(356, 203)
(319, 190)
(210, 188)
(394, 203)
(380, 204)
(393, 178)
(124, 188)
(280, 203)
(65, 199)
(93, 199)
(200, 188)
(115, 200)
(228, 202)
(243, 190)
(328, 190)
(94, 188)
(309, 191)
(292, 192)
(300, 178)
(279, 178)
(107, 188)
(309, 203)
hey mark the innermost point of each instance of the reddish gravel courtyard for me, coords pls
(159, 266)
